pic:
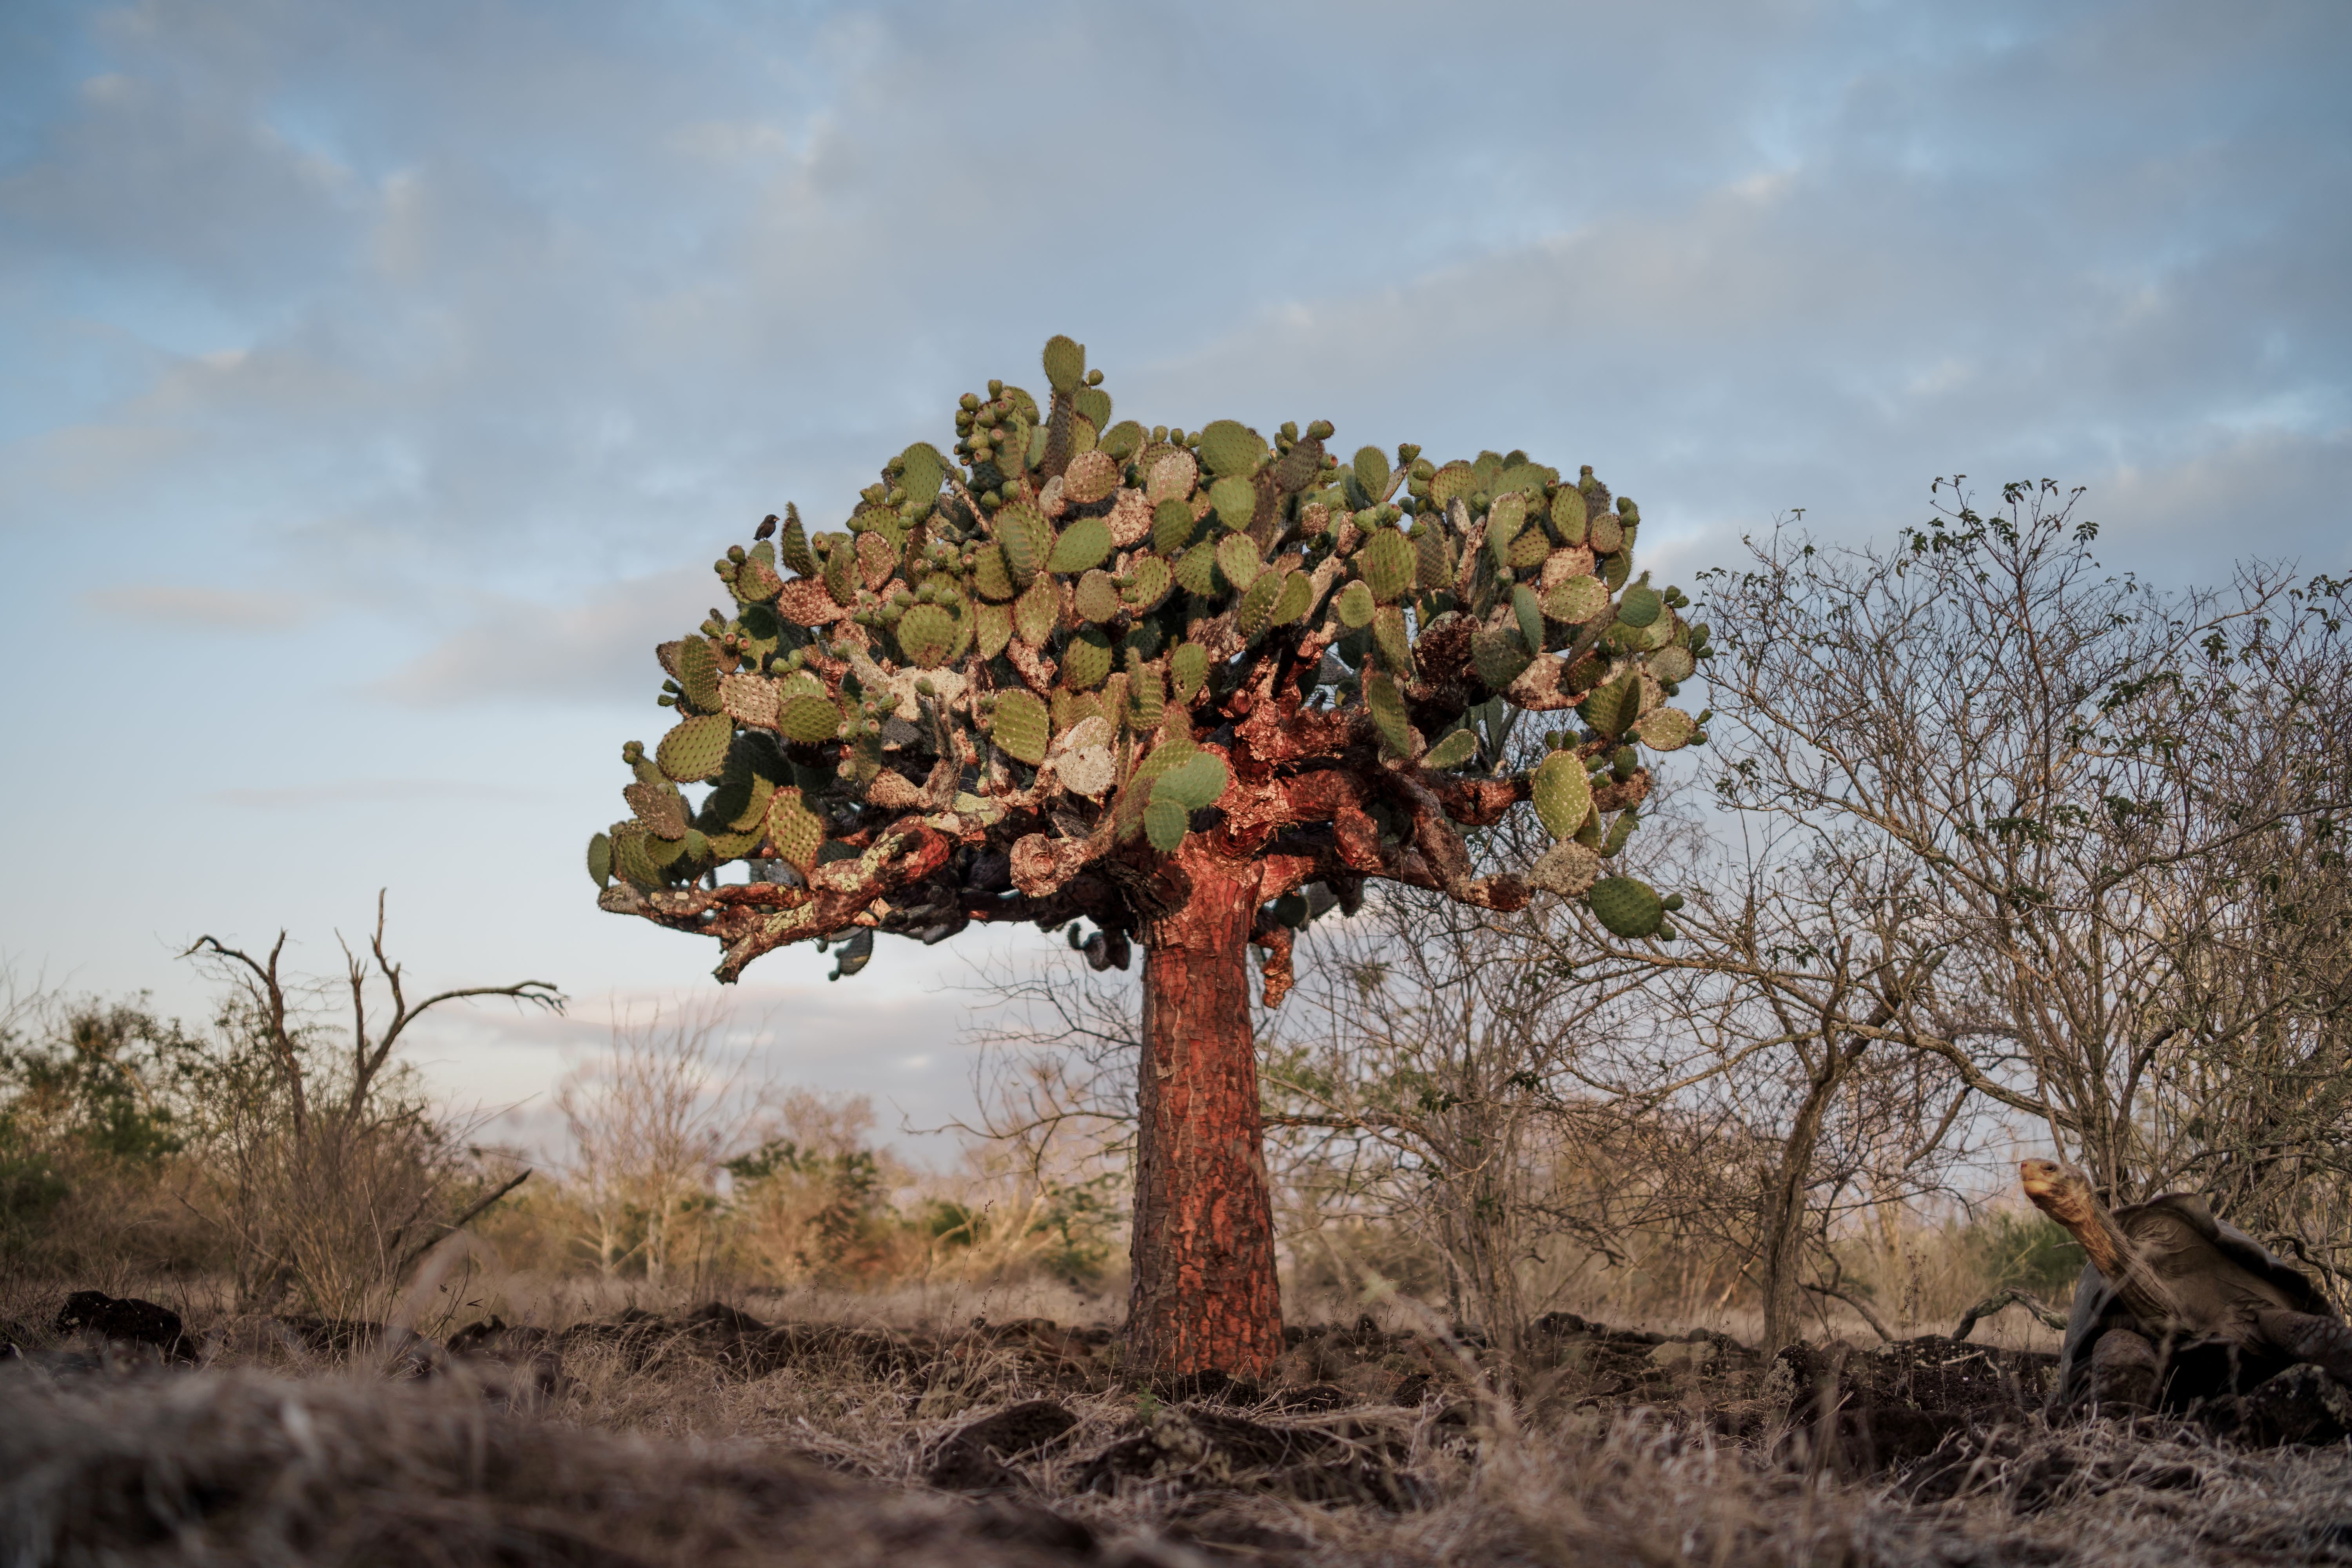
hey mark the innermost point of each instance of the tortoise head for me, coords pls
(2062, 1194)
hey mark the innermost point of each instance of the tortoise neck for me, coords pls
(2123, 1264)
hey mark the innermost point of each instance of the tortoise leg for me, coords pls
(2123, 1372)
(2307, 1336)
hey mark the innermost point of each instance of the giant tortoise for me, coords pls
(2176, 1304)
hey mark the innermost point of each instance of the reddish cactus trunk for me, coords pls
(1205, 1296)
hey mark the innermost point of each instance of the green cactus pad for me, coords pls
(841, 574)
(1389, 639)
(1432, 560)
(811, 720)
(1027, 541)
(600, 858)
(667, 852)
(990, 577)
(1641, 606)
(1094, 414)
(1165, 821)
(1091, 476)
(1146, 694)
(1172, 526)
(1020, 726)
(1627, 906)
(1037, 612)
(1188, 666)
(1095, 597)
(926, 633)
(1499, 655)
(1528, 550)
(1372, 468)
(1238, 559)
(1230, 449)
(697, 673)
(921, 473)
(631, 863)
(1454, 481)
(1504, 519)
(1086, 660)
(1563, 793)
(1387, 563)
(1196, 570)
(1255, 612)
(1174, 474)
(1234, 499)
(992, 629)
(1065, 364)
(1355, 606)
(1196, 781)
(793, 546)
(1148, 581)
(796, 833)
(1297, 597)
(1577, 600)
(1607, 536)
(1529, 613)
(1674, 664)
(1386, 706)
(1615, 569)
(1529, 477)
(695, 748)
(1613, 708)
(1084, 545)
(1568, 516)
(1453, 750)
(1667, 729)
(1123, 440)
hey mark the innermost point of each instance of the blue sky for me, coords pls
(377, 382)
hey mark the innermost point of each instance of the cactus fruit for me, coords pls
(1355, 606)
(1231, 449)
(1453, 750)
(1499, 656)
(1238, 559)
(1673, 664)
(1528, 612)
(1083, 546)
(1085, 659)
(1037, 612)
(1389, 640)
(926, 633)
(697, 673)
(1187, 668)
(1091, 476)
(695, 748)
(1387, 563)
(1020, 726)
(1628, 907)
(1065, 364)
(1563, 795)
(600, 858)
(1386, 706)
(1667, 729)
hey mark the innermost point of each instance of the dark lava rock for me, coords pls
(125, 1321)
(972, 1459)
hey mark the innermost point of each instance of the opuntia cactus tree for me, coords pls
(1179, 689)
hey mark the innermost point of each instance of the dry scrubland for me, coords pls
(814, 1429)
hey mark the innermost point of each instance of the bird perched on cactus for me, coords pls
(1189, 687)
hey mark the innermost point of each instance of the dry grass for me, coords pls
(661, 1448)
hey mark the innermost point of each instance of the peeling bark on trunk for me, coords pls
(1205, 1296)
